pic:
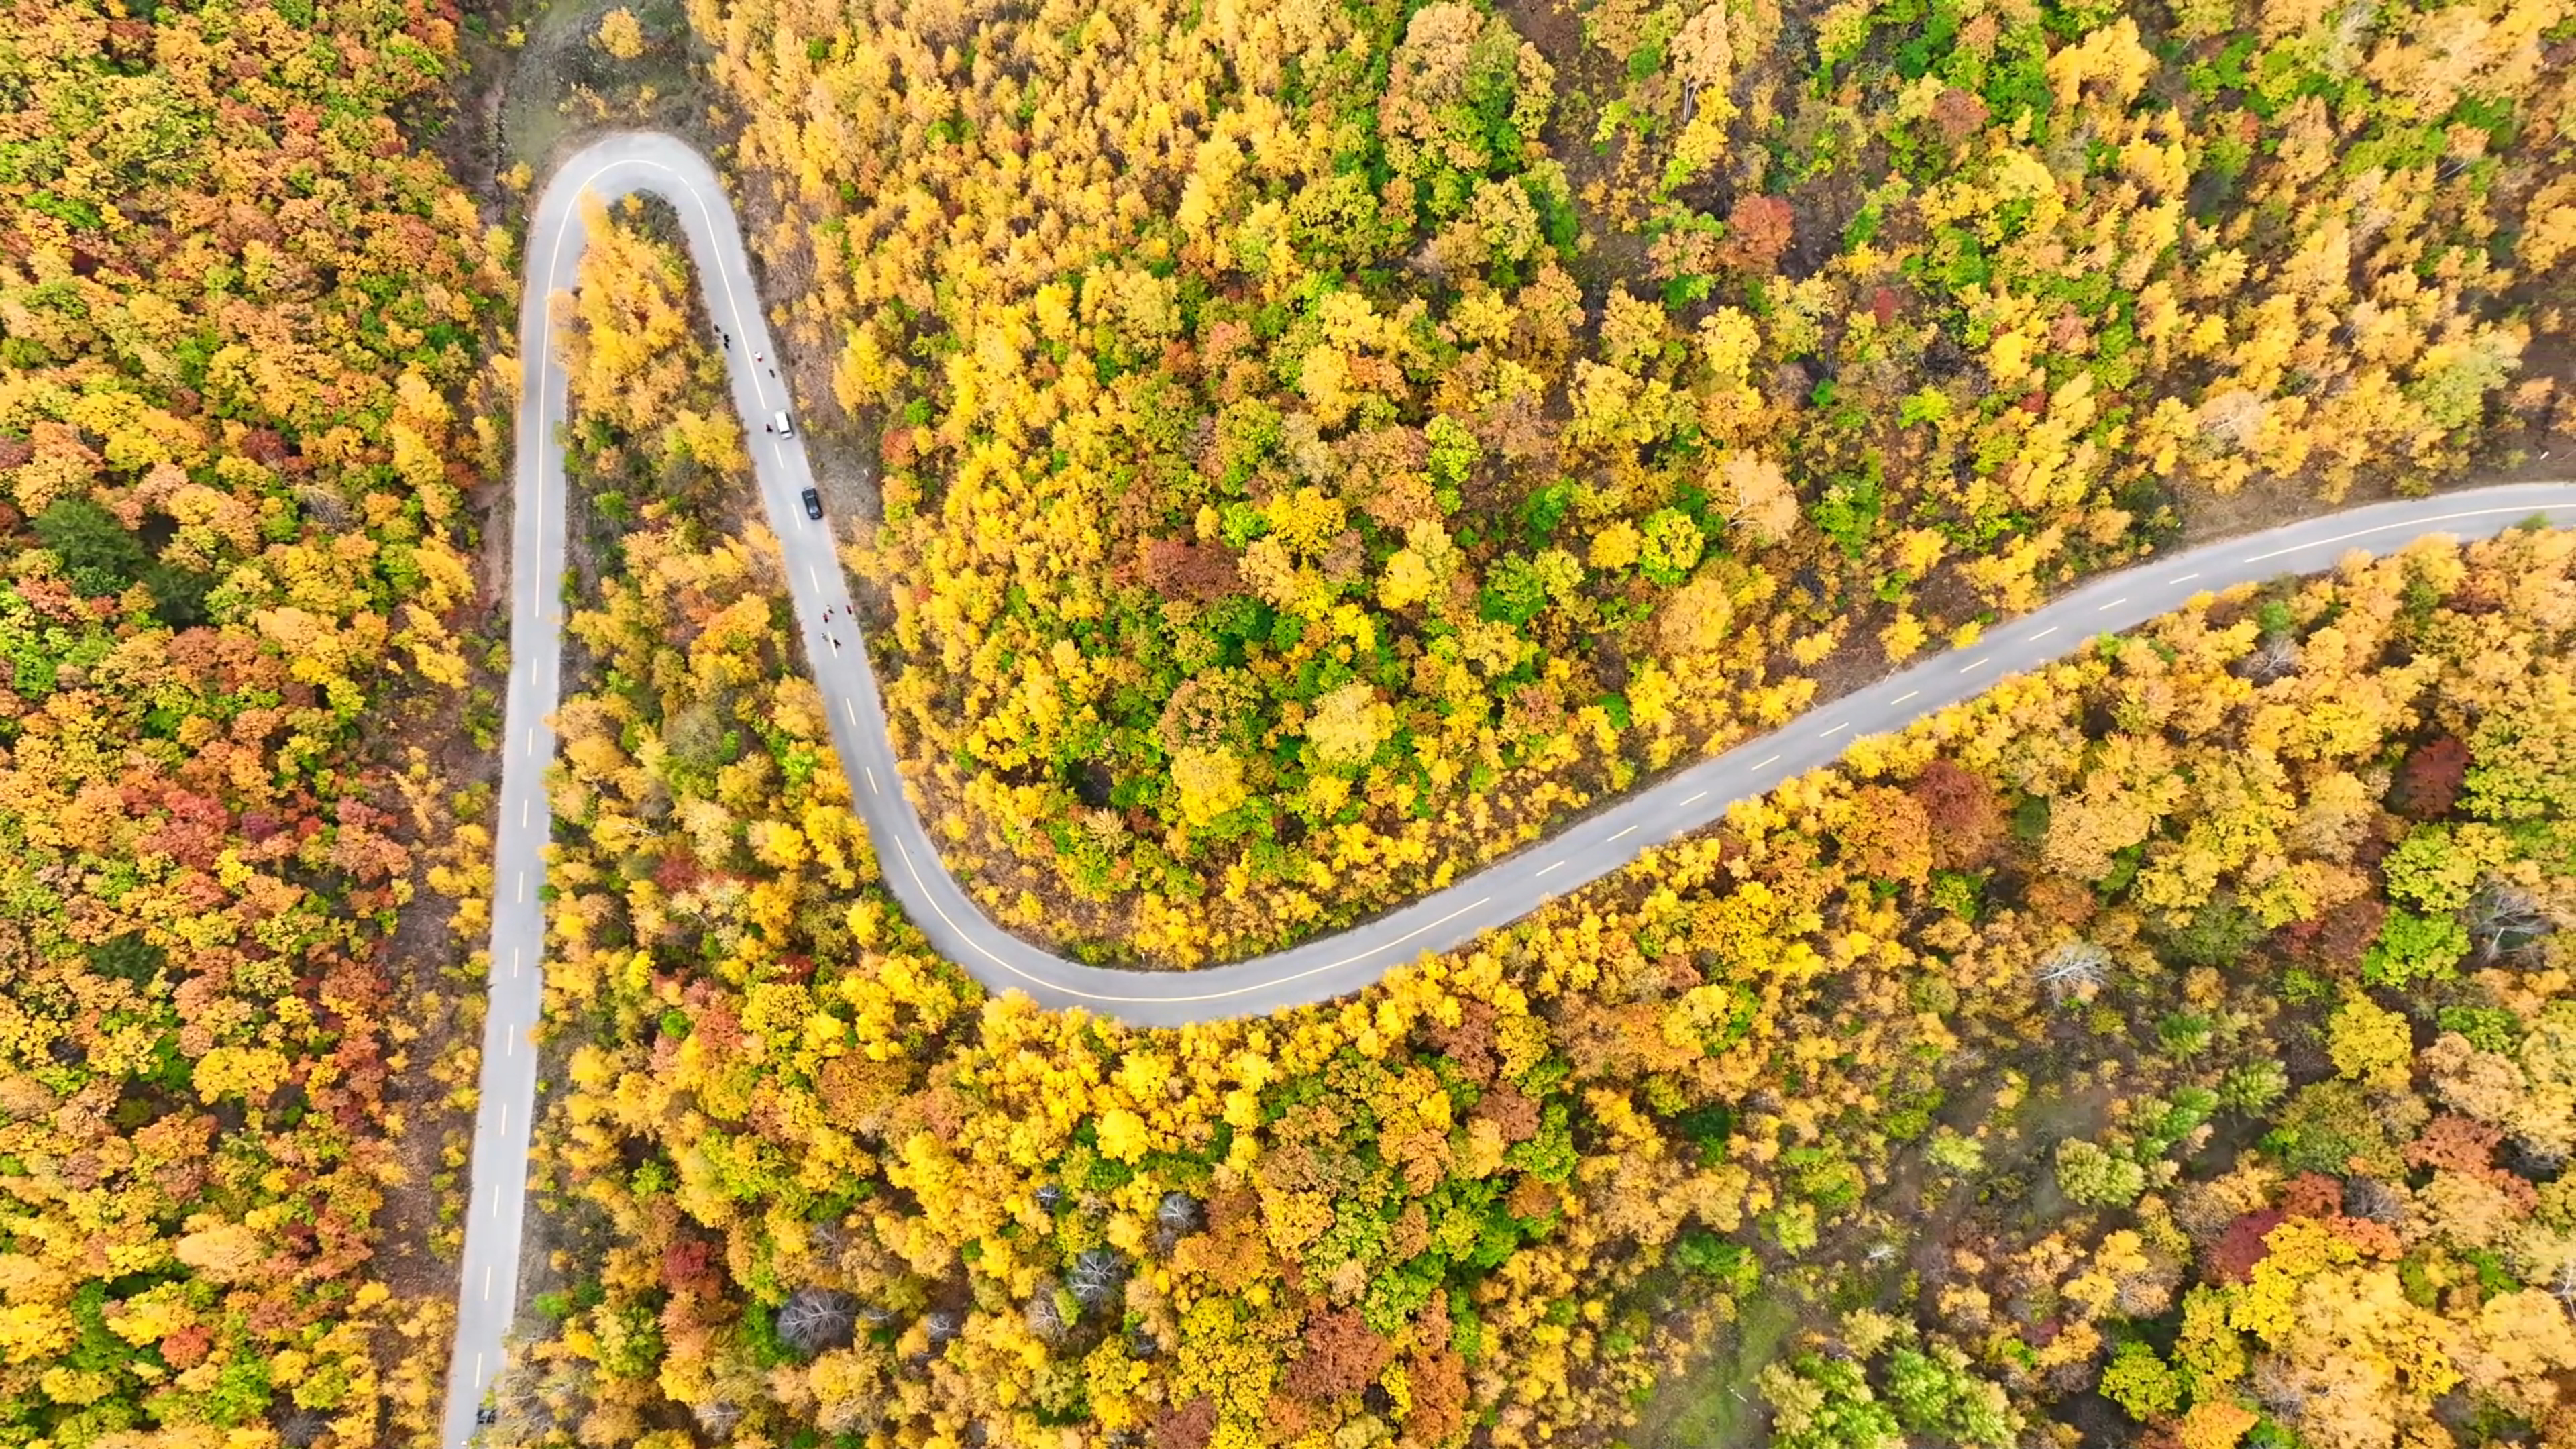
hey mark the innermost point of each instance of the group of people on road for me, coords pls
(727, 339)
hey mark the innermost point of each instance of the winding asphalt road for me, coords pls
(1316, 971)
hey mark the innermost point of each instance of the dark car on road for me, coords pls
(813, 504)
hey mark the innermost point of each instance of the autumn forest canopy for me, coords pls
(241, 433)
(2177, 1045)
(1291, 453)
(1325, 445)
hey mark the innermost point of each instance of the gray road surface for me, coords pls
(1316, 971)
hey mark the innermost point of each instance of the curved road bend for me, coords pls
(1315, 971)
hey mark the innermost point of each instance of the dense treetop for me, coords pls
(1324, 444)
(2062, 1044)
(243, 321)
